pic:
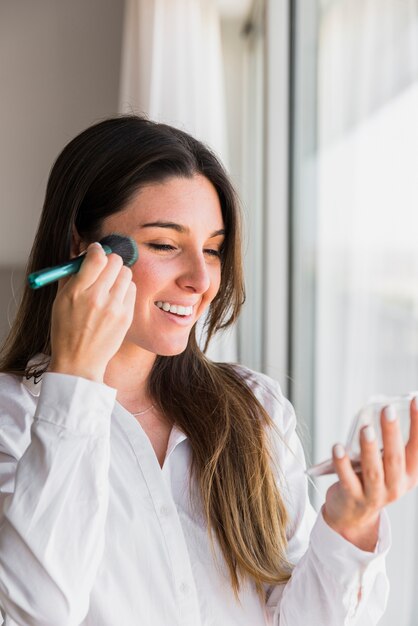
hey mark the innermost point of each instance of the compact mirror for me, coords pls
(369, 415)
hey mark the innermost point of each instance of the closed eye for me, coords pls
(167, 248)
(161, 246)
(215, 253)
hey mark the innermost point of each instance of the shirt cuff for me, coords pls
(342, 559)
(75, 403)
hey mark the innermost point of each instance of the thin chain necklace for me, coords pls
(144, 411)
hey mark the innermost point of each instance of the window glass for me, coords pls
(355, 226)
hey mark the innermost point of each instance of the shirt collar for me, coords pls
(34, 383)
(176, 437)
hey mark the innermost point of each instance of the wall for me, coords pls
(59, 72)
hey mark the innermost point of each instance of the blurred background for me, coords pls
(313, 107)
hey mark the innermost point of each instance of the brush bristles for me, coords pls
(122, 245)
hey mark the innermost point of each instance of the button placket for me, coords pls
(164, 510)
(159, 484)
(184, 588)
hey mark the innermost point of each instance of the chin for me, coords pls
(162, 348)
(172, 351)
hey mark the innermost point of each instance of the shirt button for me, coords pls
(184, 587)
(164, 510)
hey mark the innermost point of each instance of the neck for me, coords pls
(128, 372)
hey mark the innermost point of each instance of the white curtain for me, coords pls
(172, 71)
(367, 225)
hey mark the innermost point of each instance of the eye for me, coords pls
(214, 253)
(161, 246)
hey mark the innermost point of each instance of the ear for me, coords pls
(77, 244)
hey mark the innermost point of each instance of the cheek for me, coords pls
(145, 280)
(147, 276)
(215, 282)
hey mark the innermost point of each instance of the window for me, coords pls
(354, 230)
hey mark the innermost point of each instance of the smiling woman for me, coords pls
(178, 227)
(140, 482)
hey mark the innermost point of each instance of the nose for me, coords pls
(195, 275)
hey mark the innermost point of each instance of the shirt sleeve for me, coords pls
(54, 501)
(333, 582)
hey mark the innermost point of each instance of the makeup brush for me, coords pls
(119, 244)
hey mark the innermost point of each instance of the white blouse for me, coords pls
(94, 532)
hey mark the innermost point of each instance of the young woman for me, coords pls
(140, 482)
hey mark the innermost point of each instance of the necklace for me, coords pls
(144, 411)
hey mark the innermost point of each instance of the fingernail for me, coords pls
(97, 244)
(339, 451)
(369, 433)
(416, 403)
(390, 413)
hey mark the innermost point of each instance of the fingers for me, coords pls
(92, 266)
(411, 448)
(106, 268)
(372, 471)
(63, 281)
(382, 479)
(393, 453)
(122, 284)
(346, 474)
(109, 274)
(129, 302)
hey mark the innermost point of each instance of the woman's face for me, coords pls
(179, 230)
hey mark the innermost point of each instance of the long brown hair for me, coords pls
(95, 176)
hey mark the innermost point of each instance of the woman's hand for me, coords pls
(91, 315)
(352, 506)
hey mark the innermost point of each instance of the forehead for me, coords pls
(187, 201)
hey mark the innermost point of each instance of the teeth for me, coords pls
(175, 308)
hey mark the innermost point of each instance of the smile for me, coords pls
(177, 309)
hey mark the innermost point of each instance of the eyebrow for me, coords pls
(178, 227)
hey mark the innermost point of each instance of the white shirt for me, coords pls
(94, 532)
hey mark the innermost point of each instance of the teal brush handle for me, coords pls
(51, 274)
